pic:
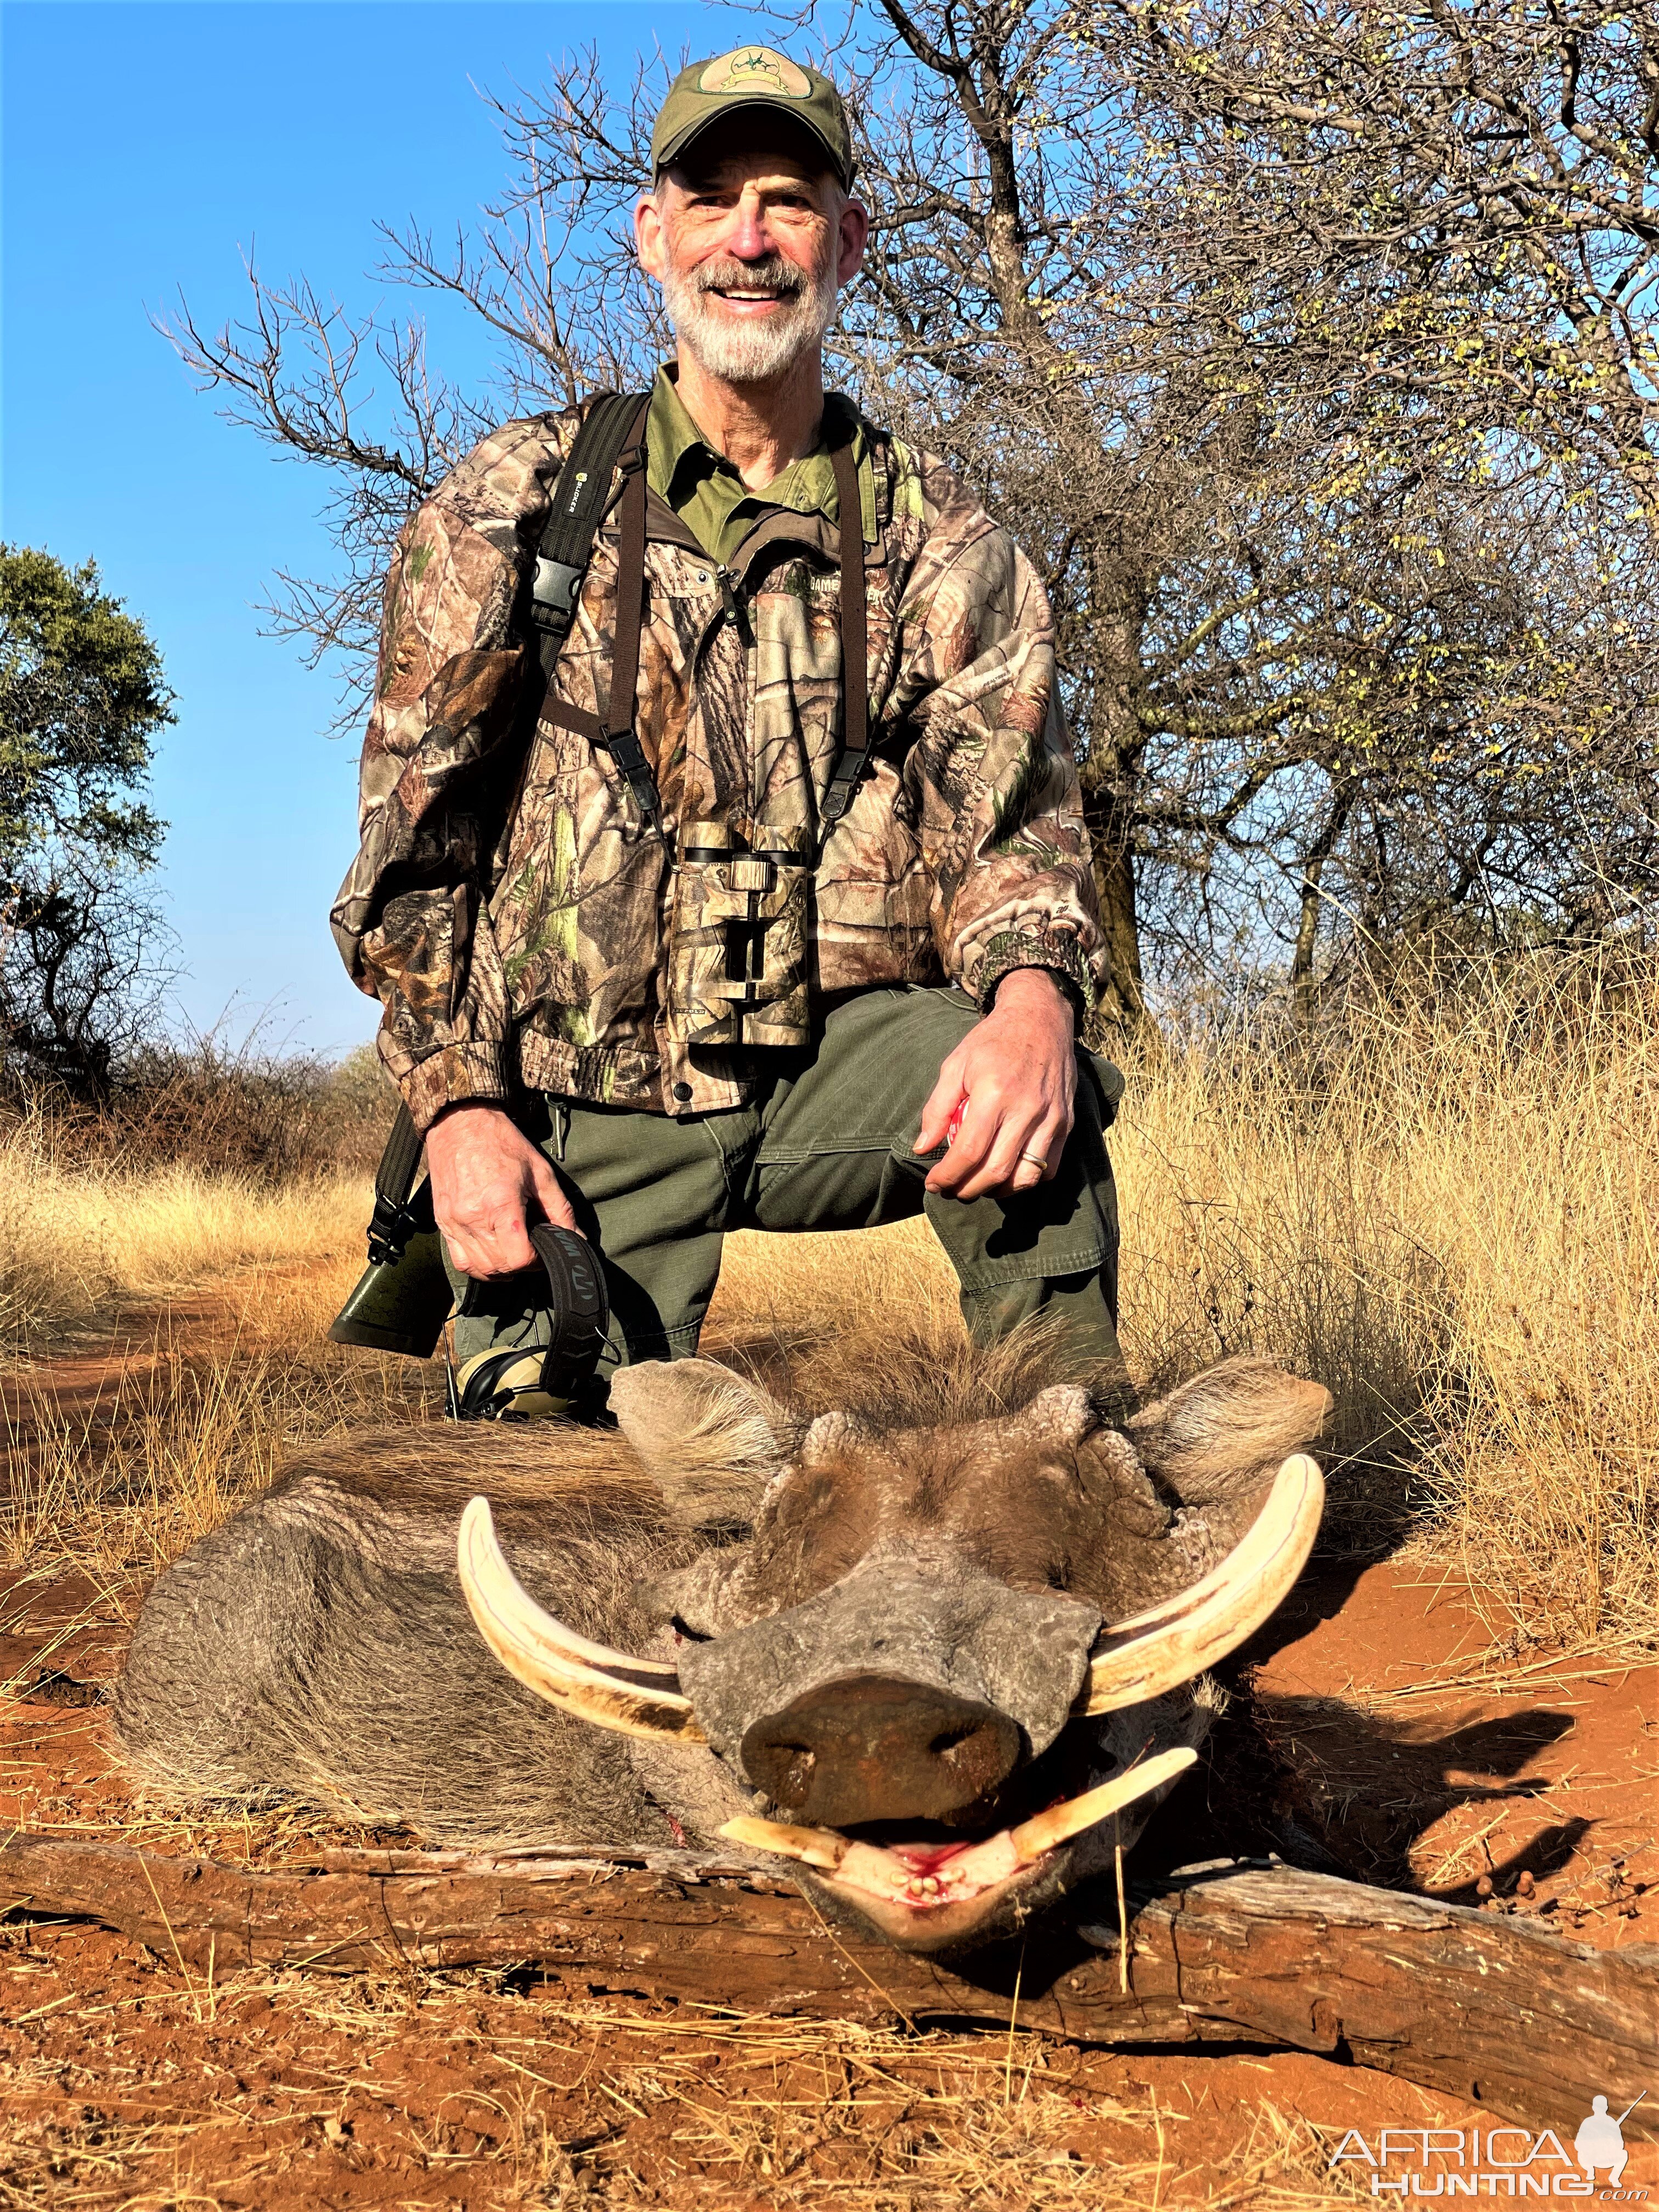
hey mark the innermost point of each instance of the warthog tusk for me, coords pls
(1171, 1643)
(534, 1647)
(1043, 1830)
(818, 1847)
(887, 1873)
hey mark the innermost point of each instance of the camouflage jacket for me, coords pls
(521, 925)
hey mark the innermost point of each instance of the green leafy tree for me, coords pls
(81, 697)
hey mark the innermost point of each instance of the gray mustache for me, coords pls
(775, 272)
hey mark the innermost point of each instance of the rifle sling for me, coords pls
(394, 1221)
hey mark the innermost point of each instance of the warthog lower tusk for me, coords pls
(887, 1873)
(818, 1847)
(1043, 1830)
(534, 1647)
(1158, 1650)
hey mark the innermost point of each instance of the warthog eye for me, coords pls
(685, 1631)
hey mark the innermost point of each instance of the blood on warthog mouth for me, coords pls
(957, 1873)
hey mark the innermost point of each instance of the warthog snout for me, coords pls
(910, 1690)
(869, 1747)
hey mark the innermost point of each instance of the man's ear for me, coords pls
(853, 235)
(647, 234)
(711, 1441)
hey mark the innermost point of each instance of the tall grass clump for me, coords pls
(1442, 1206)
(82, 1238)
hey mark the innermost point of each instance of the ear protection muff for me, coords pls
(525, 1383)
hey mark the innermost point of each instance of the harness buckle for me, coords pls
(553, 592)
(390, 1228)
(849, 774)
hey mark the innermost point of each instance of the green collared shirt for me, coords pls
(712, 499)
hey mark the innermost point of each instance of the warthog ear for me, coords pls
(1210, 1440)
(709, 1439)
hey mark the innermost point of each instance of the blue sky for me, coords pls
(145, 147)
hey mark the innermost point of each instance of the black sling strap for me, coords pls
(854, 758)
(394, 1221)
(575, 512)
(614, 425)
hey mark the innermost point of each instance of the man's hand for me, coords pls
(1017, 1070)
(487, 1180)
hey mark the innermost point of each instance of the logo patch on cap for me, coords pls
(756, 68)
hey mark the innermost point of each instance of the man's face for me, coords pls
(751, 244)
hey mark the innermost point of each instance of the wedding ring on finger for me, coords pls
(1038, 1160)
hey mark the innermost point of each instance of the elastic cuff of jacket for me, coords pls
(457, 1073)
(1055, 950)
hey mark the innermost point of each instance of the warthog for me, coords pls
(942, 1655)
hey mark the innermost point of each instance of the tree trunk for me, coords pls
(1306, 932)
(1492, 2009)
(1123, 1006)
(1111, 777)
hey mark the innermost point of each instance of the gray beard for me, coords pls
(747, 353)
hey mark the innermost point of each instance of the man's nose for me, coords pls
(750, 238)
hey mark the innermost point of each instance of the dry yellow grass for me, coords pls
(112, 1465)
(78, 1243)
(1450, 1223)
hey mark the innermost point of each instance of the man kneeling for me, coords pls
(723, 941)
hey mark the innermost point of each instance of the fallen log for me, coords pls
(1495, 2009)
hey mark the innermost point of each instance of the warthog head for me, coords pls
(945, 1668)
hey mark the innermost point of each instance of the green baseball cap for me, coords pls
(751, 76)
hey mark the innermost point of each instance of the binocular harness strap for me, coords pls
(621, 739)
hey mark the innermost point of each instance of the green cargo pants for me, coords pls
(827, 1144)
